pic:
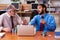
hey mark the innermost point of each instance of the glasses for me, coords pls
(14, 11)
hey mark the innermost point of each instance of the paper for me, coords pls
(1, 35)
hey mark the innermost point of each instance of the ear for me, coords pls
(44, 8)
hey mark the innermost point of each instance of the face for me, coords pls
(40, 9)
(13, 11)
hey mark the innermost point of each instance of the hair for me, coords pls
(43, 6)
(9, 7)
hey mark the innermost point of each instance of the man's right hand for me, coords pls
(24, 22)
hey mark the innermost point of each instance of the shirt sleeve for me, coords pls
(51, 25)
(32, 22)
(1, 20)
(19, 20)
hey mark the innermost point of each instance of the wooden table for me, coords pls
(9, 36)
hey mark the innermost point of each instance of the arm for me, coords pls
(32, 22)
(51, 25)
(1, 19)
(6, 29)
(23, 22)
(19, 21)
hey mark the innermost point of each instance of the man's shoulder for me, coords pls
(3, 15)
(50, 15)
(36, 15)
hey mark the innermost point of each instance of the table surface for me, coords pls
(38, 36)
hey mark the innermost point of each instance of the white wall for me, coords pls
(23, 1)
(9, 1)
(5, 1)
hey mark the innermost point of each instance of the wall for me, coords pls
(9, 1)
(5, 1)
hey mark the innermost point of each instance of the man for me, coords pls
(10, 19)
(35, 12)
(43, 21)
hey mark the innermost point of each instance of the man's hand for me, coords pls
(24, 22)
(42, 21)
(6, 29)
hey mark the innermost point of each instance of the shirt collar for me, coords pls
(44, 14)
(7, 14)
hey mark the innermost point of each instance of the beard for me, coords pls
(41, 12)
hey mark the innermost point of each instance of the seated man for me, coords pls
(10, 19)
(43, 21)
